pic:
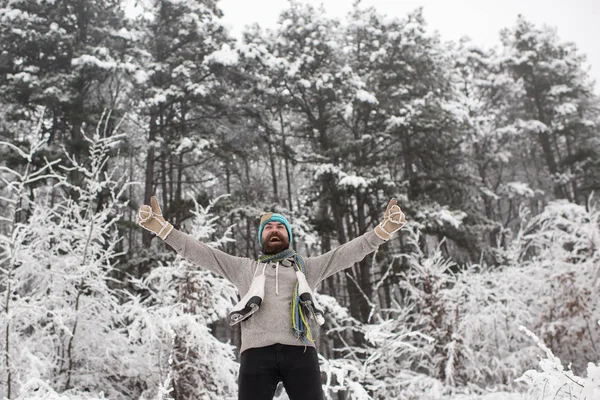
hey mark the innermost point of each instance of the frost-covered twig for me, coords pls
(167, 386)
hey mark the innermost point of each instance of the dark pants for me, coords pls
(297, 367)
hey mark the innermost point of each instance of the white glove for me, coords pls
(151, 219)
(393, 220)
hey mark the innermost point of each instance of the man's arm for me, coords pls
(230, 267)
(344, 256)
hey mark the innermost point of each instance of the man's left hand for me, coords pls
(393, 220)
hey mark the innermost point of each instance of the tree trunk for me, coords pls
(273, 171)
(364, 265)
(544, 137)
(286, 158)
(71, 340)
(7, 340)
(413, 184)
(149, 178)
(177, 214)
(131, 216)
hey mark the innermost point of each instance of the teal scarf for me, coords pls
(299, 316)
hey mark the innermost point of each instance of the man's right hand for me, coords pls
(151, 219)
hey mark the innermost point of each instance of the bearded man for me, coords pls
(278, 309)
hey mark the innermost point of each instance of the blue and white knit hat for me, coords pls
(273, 217)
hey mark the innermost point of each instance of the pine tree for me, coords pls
(557, 108)
(183, 56)
(498, 185)
(64, 57)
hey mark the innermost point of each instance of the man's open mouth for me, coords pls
(275, 239)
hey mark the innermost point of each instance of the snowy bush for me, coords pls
(456, 329)
(550, 283)
(559, 250)
(57, 263)
(69, 329)
(408, 348)
(554, 382)
(182, 300)
(492, 303)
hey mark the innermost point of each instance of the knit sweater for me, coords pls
(272, 322)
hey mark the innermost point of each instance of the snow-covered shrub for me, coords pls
(409, 345)
(491, 303)
(560, 251)
(472, 314)
(346, 375)
(426, 290)
(550, 283)
(37, 389)
(554, 382)
(71, 330)
(57, 262)
(181, 300)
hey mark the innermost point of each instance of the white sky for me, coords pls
(576, 21)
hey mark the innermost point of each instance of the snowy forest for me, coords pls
(489, 292)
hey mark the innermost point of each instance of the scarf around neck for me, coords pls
(300, 316)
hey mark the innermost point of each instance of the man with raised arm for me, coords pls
(278, 308)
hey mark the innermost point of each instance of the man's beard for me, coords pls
(275, 247)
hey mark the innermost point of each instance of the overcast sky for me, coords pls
(577, 21)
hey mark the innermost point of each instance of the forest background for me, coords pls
(490, 291)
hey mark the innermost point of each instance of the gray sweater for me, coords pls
(272, 322)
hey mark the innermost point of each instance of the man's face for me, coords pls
(274, 238)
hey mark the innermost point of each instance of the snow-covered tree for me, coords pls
(558, 108)
(66, 57)
(485, 96)
(182, 57)
(402, 103)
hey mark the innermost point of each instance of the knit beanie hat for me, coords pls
(273, 217)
